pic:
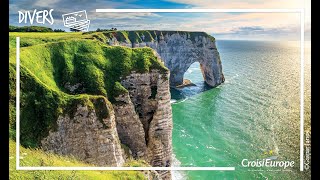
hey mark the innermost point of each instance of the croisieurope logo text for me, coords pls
(267, 163)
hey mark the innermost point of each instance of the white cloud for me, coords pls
(42, 3)
(306, 4)
(241, 3)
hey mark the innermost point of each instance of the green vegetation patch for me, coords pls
(58, 76)
(62, 70)
(119, 89)
(149, 35)
(36, 157)
(29, 29)
(102, 109)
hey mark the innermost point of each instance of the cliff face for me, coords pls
(66, 102)
(178, 50)
(140, 119)
(144, 118)
(86, 137)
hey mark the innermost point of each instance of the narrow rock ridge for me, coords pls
(144, 118)
(179, 50)
(129, 126)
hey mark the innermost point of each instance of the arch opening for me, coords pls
(193, 83)
(194, 74)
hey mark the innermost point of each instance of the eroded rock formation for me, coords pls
(144, 118)
(179, 50)
(84, 136)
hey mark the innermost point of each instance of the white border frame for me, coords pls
(300, 11)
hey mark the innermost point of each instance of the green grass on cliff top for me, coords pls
(46, 69)
(34, 38)
(37, 157)
(144, 35)
(50, 61)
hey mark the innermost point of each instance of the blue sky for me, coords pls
(248, 26)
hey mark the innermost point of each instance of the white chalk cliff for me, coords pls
(179, 50)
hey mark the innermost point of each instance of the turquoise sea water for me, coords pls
(256, 111)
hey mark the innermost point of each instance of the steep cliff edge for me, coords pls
(144, 118)
(178, 50)
(102, 102)
(89, 100)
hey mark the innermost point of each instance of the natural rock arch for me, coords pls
(180, 50)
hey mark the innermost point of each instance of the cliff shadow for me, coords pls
(188, 91)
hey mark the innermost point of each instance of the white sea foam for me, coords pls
(178, 102)
(177, 175)
(172, 101)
